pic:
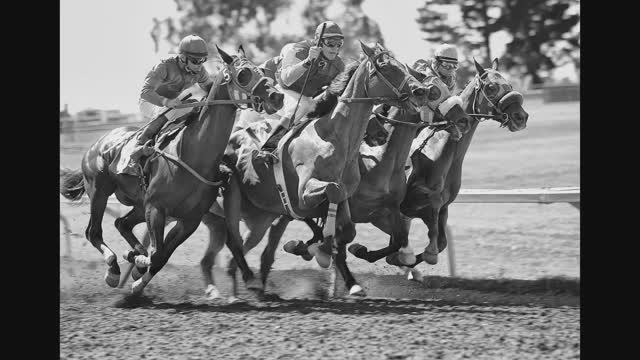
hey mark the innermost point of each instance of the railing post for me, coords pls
(451, 252)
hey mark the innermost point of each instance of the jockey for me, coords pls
(443, 65)
(293, 65)
(164, 83)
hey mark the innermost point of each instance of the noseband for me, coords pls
(496, 114)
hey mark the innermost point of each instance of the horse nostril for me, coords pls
(420, 92)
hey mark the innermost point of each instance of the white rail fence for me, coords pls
(570, 195)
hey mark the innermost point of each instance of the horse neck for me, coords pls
(399, 143)
(349, 120)
(204, 141)
(467, 95)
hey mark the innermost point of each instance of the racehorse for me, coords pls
(436, 176)
(379, 193)
(183, 179)
(319, 160)
(436, 158)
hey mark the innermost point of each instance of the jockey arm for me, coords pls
(205, 82)
(154, 79)
(292, 67)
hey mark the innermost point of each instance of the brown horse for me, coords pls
(182, 183)
(436, 176)
(320, 162)
(379, 193)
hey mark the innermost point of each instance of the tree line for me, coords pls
(543, 34)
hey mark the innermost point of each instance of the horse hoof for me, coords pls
(111, 279)
(136, 273)
(290, 246)
(392, 259)
(430, 258)
(109, 258)
(323, 259)
(212, 293)
(356, 290)
(358, 250)
(414, 275)
(255, 285)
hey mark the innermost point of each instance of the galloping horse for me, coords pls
(379, 193)
(436, 176)
(183, 178)
(319, 161)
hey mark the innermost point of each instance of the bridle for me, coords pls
(400, 98)
(241, 93)
(496, 114)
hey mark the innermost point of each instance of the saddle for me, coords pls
(122, 162)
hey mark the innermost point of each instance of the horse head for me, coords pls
(494, 95)
(246, 77)
(444, 105)
(391, 81)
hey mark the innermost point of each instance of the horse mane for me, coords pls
(329, 98)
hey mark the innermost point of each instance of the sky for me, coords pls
(106, 49)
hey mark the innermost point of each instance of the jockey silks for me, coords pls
(168, 80)
(322, 72)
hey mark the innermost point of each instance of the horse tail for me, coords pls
(71, 184)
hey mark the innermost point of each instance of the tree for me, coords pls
(545, 33)
(224, 22)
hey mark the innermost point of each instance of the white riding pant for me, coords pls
(290, 100)
(150, 111)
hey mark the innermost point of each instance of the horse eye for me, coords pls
(244, 77)
(492, 89)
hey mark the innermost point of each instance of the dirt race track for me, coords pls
(451, 319)
(517, 295)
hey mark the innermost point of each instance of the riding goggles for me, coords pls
(196, 61)
(333, 43)
(448, 65)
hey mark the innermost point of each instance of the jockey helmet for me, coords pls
(331, 30)
(446, 53)
(194, 46)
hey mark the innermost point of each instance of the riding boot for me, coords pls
(144, 145)
(267, 151)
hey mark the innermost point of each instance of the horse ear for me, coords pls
(494, 64)
(241, 51)
(228, 59)
(367, 50)
(479, 68)
(415, 73)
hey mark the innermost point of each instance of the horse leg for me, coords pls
(430, 253)
(346, 232)
(217, 239)
(232, 198)
(268, 254)
(125, 226)
(314, 192)
(257, 225)
(298, 247)
(399, 244)
(442, 226)
(175, 237)
(156, 221)
(98, 195)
